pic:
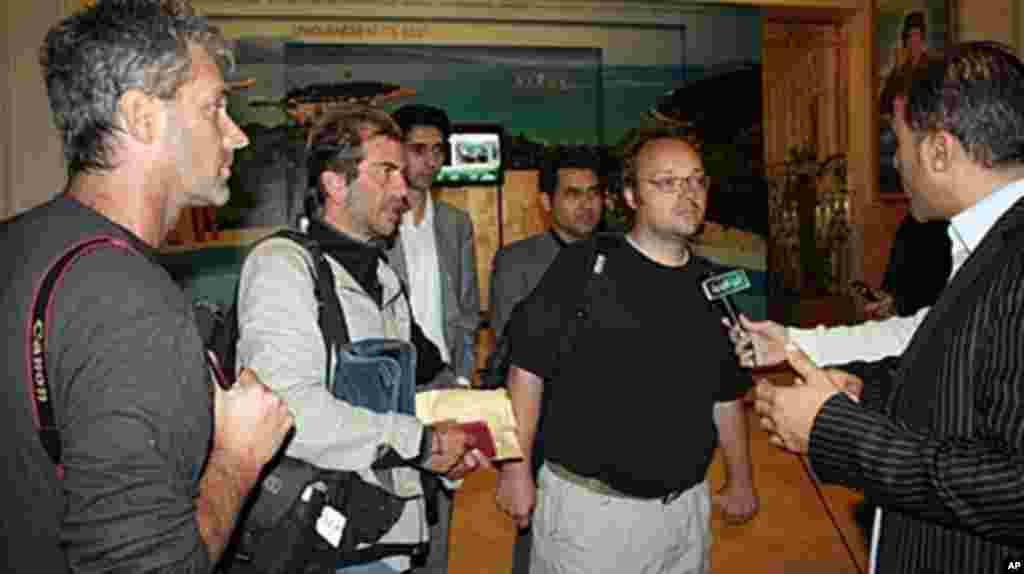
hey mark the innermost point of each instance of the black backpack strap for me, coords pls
(602, 244)
(333, 560)
(39, 327)
(330, 317)
(495, 370)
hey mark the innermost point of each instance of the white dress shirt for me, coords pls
(870, 340)
(420, 248)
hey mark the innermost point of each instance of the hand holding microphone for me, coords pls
(721, 287)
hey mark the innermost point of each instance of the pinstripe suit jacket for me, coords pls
(938, 439)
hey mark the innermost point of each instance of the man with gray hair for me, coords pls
(121, 453)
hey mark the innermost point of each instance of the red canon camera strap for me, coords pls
(38, 328)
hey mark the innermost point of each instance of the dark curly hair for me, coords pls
(95, 56)
(335, 143)
(568, 157)
(412, 115)
(975, 91)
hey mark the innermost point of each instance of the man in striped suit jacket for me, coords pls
(936, 435)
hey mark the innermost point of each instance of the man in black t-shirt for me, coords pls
(640, 399)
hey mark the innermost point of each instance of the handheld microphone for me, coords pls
(722, 286)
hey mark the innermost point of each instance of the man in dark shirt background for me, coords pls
(573, 195)
(920, 262)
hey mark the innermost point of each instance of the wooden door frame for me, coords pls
(857, 21)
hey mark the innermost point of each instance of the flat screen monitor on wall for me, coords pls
(474, 156)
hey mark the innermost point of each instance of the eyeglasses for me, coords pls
(673, 185)
(385, 174)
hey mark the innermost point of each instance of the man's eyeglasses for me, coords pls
(674, 185)
(385, 173)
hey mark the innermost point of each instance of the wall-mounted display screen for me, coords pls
(474, 156)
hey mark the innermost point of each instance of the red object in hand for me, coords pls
(482, 438)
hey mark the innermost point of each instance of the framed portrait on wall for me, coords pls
(908, 30)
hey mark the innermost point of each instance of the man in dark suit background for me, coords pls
(572, 194)
(936, 435)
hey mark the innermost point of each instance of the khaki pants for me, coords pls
(578, 531)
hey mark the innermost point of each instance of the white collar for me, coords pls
(409, 217)
(968, 227)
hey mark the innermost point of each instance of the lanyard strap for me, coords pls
(37, 330)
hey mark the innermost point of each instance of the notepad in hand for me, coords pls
(490, 408)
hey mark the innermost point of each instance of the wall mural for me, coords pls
(543, 97)
(551, 79)
(539, 95)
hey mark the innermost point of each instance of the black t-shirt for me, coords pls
(632, 401)
(131, 396)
